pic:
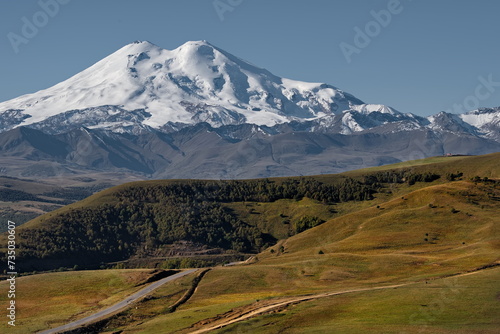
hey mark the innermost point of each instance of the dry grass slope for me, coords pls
(421, 239)
(421, 235)
(48, 300)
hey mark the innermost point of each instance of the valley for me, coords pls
(260, 167)
(23, 199)
(417, 254)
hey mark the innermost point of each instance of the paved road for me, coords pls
(118, 306)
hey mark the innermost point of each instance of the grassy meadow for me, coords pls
(440, 241)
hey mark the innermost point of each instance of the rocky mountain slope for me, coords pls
(198, 111)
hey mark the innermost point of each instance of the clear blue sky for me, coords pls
(427, 58)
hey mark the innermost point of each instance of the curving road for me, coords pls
(118, 306)
(259, 310)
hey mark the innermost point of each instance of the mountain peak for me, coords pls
(196, 43)
(138, 47)
(146, 43)
(143, 42)
(195, 49)
(196, 82)
(367, 109)
(483, 111)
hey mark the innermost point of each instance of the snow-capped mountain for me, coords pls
(198, 111)
(444, 121)
(197, 82)
(142, 87)
(486, 120)
(368, 117)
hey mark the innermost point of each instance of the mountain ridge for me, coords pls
(228, 152)
(172, 209)
(192, 83)
(142, 84)
(214, 115)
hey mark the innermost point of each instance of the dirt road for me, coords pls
(277, 304)
(258, 308)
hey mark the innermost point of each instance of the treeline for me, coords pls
(12, 195)
(116, 232)
(143, 218)
(399, 176)
(264, 190)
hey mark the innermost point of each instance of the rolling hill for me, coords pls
(162, 218)
(413, 256)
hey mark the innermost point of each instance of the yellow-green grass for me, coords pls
(388, 244)
(49, 300)
(414, 163)
(225, 288)
(182, 318)
(456, 215)
(372, 247)
(466, 304)
(278, 218)
(157, 303)
(483, 166)
(234, 284)
(366, 246)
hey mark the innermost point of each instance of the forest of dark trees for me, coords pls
(142, 218)
(12, 195)
(399, 176)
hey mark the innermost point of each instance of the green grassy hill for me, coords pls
(148, 219)
(436, 242)
(441, 241)
(49, 300)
